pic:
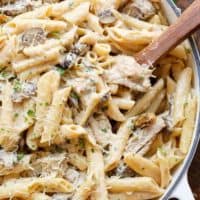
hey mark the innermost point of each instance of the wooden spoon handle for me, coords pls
(186, 23)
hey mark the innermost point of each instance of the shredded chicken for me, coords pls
(53, 164)
(8, 159)
(127, 72)
(74, 176)
(142, 9)
(102, 129)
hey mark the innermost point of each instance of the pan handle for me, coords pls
(182, 190)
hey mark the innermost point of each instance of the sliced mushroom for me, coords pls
(33, 37)
(141, 9)
(80, 49)
(25, 91)
(13, 8)
(145, 120)
(16, 7)
(106, 17)
(69, 60)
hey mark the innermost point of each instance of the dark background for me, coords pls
(194, 171)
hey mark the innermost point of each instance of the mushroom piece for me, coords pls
(106, 17)
(33, 37)
(13, 8)
(69, 60)
(145, 120)
(29, 89)
(80, 49)
(141, 9)
(24, 91)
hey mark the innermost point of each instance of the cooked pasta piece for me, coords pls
(181, 94)
(188, 124)
(40, 196)
(47, 56)
(24, 187)
(146, 100)
(96, 171)
(54, 115)
(137, 184)
(20, 25)
(164, 169)
(44, 98)
(118, 145)
(82, 9)
(143, 166)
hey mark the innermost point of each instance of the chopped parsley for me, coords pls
(60, 70)
(74, 96)
(17, 86)
(104, 130)
(16, 115)
(20, 156)
(43, 103)
(81, 143)
(188, 51)
(31, 113)
(4, 74)
(162, 151)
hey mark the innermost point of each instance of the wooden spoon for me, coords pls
(177, 32)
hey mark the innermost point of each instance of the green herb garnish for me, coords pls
(74, 96)
(162, 151)
(17, 86)
(104, 130)
(81, 143)
(31, 113)
(16, 115)
(60, 70)
(4, 74)
(188, 51)
(20, 156)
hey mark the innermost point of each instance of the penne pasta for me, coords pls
(143, 166)
(80, 119)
